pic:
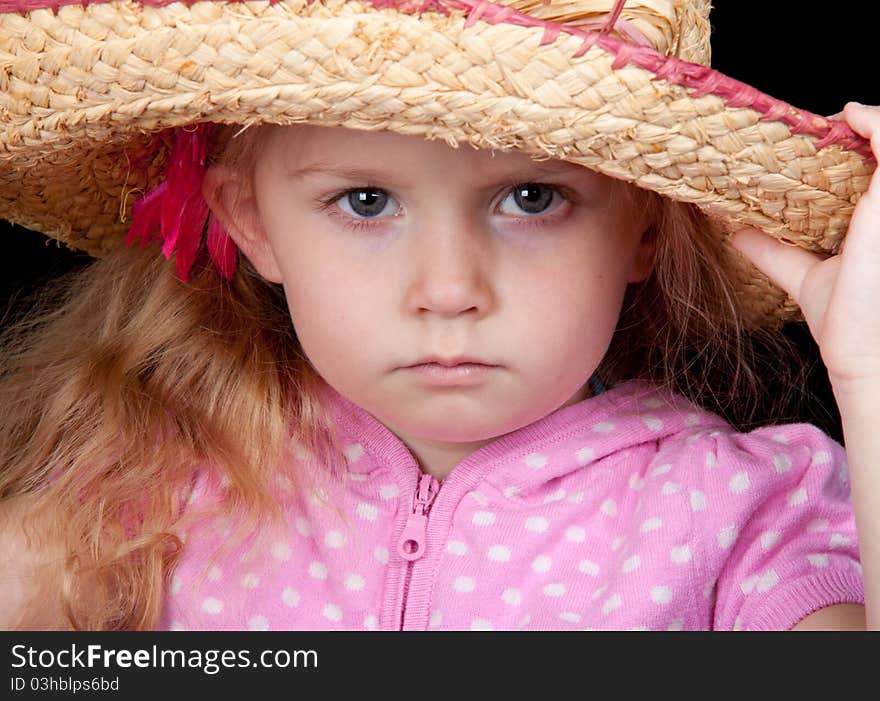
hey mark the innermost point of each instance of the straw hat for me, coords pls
(89, 92)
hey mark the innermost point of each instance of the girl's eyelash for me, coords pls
(327, 205)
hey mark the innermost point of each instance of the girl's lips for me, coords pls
(456, 375)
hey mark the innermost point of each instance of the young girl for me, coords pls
(440, 387)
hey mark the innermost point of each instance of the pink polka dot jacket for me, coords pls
(630, 510)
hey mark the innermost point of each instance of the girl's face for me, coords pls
(393, 248)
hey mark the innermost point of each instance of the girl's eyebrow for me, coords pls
(535, 168)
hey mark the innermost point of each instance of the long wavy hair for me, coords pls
(122, 383)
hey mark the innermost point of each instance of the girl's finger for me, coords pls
(786, 265)
(864, 119)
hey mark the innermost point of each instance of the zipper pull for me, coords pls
(412, 540)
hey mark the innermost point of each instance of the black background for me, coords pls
(815, 60)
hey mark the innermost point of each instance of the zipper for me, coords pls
(411, 545)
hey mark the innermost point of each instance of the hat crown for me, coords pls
(677, 28)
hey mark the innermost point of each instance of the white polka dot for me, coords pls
(671, 488)
(355, 582)
(676, 624)
(456, 547)
(782, 463)
(698, 500)
(641, 628)
(818, 525)
(680, 554)
(691, 420)
(250, 581)
(464, 584)
(284, 484)
(709, 590)
(215, 573)
(818, 560)
(661, 470)
(524, 621)
(555, 589)
(711, 460)
(479, 498)
(797, 497)
(542, 563)
(483, 518)
(381, 554)
(636, 482)
(318, 570)
(536, 461)
(290, 597)
(838, 540)
(652, 422)
(513, 597)
(480, 624)
(258, 622)
(511, 491)
(353, 453)
(748, 584)
(767, 581)
(355, 477)
(499, 553)
(176, 583)
(618, 542)
(631, 564)
(436, 619)
(212, 606)
(334, 539)
(769, 539)
(611, 604)
(651, 524)
(604, 427)
(332, 613)
(281, 551)
(820, 457)
(318, 496)
(570, 617)
(576, 498)
(585, 456)
(740, 483)
(661, 594)
(588, 567)
(537, 524)
(371, 622)
(368, 512)
(176, 625)
(304, 527)
(601, 590)
(737, 623)
(727, 536)
(575, 534)
(389, 491)
(843, 474)
(609, 507)
(555, 495)
(652, 403)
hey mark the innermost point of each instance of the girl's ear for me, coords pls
(231, 198)
(643, 262)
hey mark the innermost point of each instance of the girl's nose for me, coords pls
(450, 268)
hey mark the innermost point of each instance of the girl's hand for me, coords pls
(839, 296)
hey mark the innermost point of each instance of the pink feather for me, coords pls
(175, 212)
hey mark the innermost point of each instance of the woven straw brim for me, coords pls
(85, 95)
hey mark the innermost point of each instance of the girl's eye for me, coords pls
(531, 198)
(365, 202)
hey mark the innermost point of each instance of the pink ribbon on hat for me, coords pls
(175, 212)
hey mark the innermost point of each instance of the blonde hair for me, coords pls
(109, 415)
